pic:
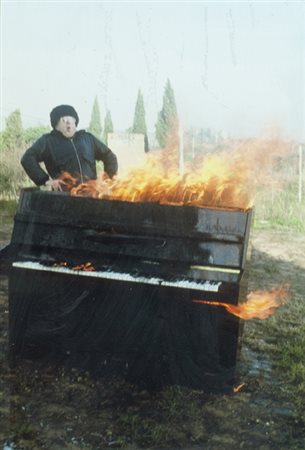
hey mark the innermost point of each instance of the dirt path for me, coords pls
(286, 247)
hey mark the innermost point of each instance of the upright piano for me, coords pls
(109, 286)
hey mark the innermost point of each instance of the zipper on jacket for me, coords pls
(79, 164)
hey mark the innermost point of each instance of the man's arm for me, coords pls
(103, 153)
(31, 159)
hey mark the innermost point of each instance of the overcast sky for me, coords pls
(238, 67)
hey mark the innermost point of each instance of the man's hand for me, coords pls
(55, 184)
(106, 177)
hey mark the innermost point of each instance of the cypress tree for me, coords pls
(167, 117)
(139, 122)
(95, 126)
(108, 126)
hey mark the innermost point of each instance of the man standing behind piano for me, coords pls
(65, 149)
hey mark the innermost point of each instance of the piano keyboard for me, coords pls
(210, 286)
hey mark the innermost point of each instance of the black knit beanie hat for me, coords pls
(62, 111)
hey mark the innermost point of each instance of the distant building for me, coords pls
(129, 149)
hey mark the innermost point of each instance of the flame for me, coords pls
(226, 179)
(88, 267)
(69, 181)
(259, 304)
(238, 388)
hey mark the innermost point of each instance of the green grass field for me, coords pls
(281, 210)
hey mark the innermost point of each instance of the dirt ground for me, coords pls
(41, 409)
(284, 247)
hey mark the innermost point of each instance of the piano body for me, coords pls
(108, 286)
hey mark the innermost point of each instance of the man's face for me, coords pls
(67, 126)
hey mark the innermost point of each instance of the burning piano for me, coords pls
(127, 286)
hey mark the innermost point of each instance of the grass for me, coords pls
(8, 208)
(280, 210)
(290, 358)
(283, 334)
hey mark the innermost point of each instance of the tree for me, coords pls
(139, 123)
(108, 126)
(12, 136)
(167, 117)
(95, 126)
(31, 134)
(12, 175)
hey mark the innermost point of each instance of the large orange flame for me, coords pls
(260, 304)
(225, 179)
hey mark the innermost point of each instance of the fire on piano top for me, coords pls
(223, 179)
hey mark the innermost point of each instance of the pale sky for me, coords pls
(236, 67)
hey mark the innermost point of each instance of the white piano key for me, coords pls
(210, 286)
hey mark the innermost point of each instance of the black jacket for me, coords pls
(60, 154)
